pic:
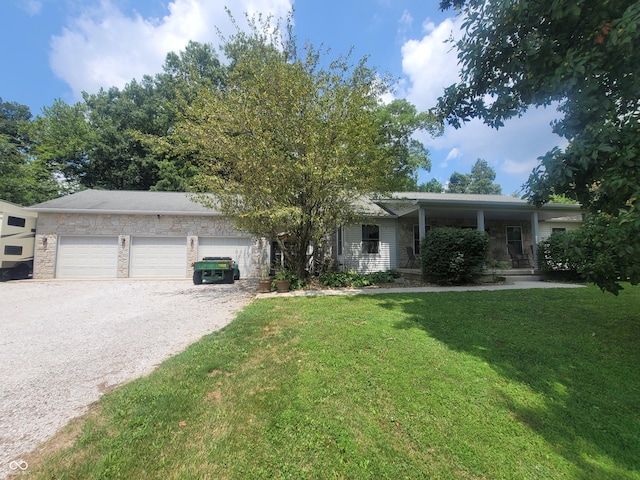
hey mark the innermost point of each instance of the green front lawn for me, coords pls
(530, 384)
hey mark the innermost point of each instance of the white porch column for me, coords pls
(480, 220)
(422, 222)
(535, 235)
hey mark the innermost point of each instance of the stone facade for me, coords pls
(497, 231)
(51, 226)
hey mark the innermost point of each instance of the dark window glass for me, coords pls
(12, 250)
(16, 221)
(370, 238)
(514, 239)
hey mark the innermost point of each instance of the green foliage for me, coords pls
(295, 138)
(582, 56)
(24, 180)
(295, 282)
(607, 251)
(432, 185)
(452, 256)
(562, 199)
(558, 252)
(479, 181)
(398, 121)
(116, 138)
(352, 279)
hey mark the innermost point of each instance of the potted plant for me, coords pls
(283, 280)
(264, 283)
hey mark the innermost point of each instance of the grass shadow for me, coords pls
(578, 349)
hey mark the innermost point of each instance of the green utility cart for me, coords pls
(215, 270)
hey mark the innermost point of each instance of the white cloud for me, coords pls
(103, 47)
(452, 155)
(430, 65)
(404, 25)
(32, 7)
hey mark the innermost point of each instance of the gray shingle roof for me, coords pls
(132, 202)
(179, 203)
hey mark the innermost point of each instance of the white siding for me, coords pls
(545, 228)
(87, 257)
(356, 259)
(155, 257)
(239, 249)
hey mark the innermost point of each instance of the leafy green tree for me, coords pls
(61, 140)
(479, 181)
(459, 183)
(115, 139)
(583, 56)
(295, 138)
(24, 180)
(399, 120)
(432, 185)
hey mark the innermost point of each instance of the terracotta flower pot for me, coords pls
(264, 285)
(283, 285)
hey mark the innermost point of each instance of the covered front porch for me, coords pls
(512, 224)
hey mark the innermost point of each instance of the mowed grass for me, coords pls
(529, 384)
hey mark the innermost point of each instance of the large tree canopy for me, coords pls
(103, 141)
(24, 180)
(296, 138)
(583, 56)
(479, 181)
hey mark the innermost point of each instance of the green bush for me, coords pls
(335, 279)
(452, 256)
(558, 252)
(295, 282)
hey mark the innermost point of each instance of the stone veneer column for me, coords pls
(124, 249)
(44, 262)
(192, 252)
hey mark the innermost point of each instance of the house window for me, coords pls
(558, 229)
(15, 221)
(514, 239)
(370, 239)
(340, 233)
(416, 237)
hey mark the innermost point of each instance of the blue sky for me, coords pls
(58, 48)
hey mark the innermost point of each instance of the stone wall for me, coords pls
(52, 225)
(497, 231)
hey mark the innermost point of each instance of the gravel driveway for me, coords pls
(63, 343)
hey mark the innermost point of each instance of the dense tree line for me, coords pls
(124, 139)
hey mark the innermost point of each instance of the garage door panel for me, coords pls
(87, 257)
(238, 248)
(154, 257)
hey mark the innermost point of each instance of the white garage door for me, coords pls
(87, 257)
(155, 257)
(238, 248)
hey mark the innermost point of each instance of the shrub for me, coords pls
(335, 279)
(295, 282)
(451, 256)
(558, 252)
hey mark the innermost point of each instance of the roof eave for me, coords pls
(181, 213)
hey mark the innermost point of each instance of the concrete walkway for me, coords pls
(517, 285)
